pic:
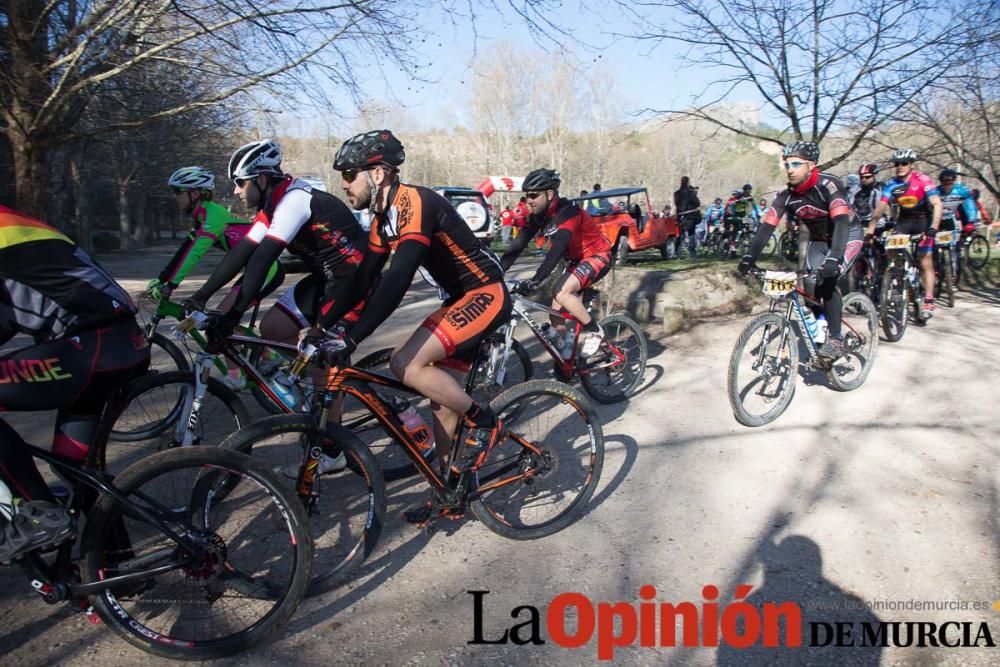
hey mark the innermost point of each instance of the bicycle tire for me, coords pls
(623, 377)
(172, 357)
(389, 453)
(531, 413)
(141, 421)
(350, 511)
(784, 367)
(893, 305)
(519, 369)
(860, 330)
(977, 251)
(947, 279)
(277, 584)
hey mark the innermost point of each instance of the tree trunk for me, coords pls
(124, 227)
(31, 175)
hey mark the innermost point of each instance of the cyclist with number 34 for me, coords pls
(819, 201)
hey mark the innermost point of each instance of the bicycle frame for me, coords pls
(166, 308)
(55, 588)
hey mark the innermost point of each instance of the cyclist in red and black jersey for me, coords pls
(819, 202)
(575, 237)
(423, 231)
(86, 344)
(312, 224)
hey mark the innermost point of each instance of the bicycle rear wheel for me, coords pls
(239, 579)
(615, 371)
(762, 370)
(860, 330)
(346, 511)
(154, 414)
(517, 368)
(893, 305)
(539, 478)
(977, 251)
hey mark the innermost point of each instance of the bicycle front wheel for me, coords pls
(235, 577)
(860, 329)
(538, 479)
(762, 370)
(346, 508)
(977, 251)
(615, 371)
(155, 414)
(893, 305)
(166, 355)
(515, 369)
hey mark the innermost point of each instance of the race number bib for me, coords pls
(779, 283)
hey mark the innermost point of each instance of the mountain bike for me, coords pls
(765, 360)
(193, 554)
(345, 511)
(975, 251)
(788, 244)
(945, 263)
(534, 482)
(866, 275)
(901, 286)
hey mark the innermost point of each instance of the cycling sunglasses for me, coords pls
(534, 195)
(350, 175)
(901, 163)
(241, 182)
(180, 191)
(794, 164)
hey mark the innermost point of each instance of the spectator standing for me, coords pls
(521, 212)
(688, 208)
(506, 224)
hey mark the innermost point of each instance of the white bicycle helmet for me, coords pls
(904, 155)
(255, 158)
(192, 178)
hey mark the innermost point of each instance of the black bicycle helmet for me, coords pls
(747, 186)
(947, 173)
(541, 179)
(807, 149)
(370, 149)
(869, 169)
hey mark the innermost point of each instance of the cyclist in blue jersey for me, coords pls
(958, 208)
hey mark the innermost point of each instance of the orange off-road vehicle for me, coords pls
(627, 220)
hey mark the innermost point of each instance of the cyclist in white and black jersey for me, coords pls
(865, 198)
(310, 223)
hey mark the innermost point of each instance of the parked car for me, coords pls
(623, 214)
(472, 206)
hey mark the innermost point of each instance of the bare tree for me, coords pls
(825, 67)
(58, 57)
(958, 119)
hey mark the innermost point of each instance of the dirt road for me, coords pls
(854, 506)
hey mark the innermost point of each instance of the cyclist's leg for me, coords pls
(828, 292)
(291, 313)
(572, 283)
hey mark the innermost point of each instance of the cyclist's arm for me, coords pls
(231, 264)
(969, 209)
(560, 244)
(200, 239)
(938, 208)
(764, 232)
(259, 267)
(877, 214)
(391, 290)
(518, 244)
(349, 292)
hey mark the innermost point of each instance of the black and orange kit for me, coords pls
(86, 342)
(426, 233)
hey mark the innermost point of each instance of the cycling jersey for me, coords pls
(425, 232)
(957, 202)
(573, 233)
(213, 227)
(713, 214)
(911, 195)
(819, 203)
(740, 207)
(49, 287)
(865, 200)
(314, 225)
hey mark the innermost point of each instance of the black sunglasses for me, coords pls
(349, 175)
(901, 163)
(240, 182)
(534, 195)
(178, 191)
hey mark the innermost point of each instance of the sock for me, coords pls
(481, 417)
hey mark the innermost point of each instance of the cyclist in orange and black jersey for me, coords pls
(575, 237)
(86, 344)
(424, 231)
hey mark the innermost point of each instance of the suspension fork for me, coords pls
(187, 423)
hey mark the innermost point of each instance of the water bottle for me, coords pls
(810, 320)
(414, 424)
(553, 336)
(6, 502)
(283, 385)
(822, 327)
(911, 274)
(567, 350)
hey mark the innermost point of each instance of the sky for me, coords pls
(647, 77)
